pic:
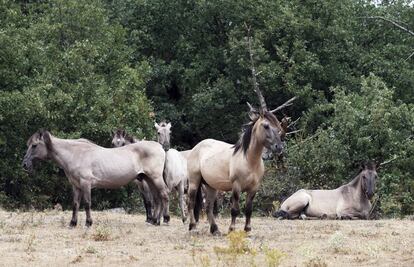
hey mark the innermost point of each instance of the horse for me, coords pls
(89, 166)
(122, 138)
(175, 169)
(237, 168)
(349, 201)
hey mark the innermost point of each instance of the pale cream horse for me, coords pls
(121, 138)
(237, 168)
(175, 169)
(88, 166)
(350, 201)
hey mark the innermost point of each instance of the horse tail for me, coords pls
(198, 203)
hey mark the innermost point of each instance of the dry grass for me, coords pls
(44, 239)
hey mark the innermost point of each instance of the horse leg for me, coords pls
(146, 197)
(160, 192)
(249, 209)
(235, 209)
(86, 190)
(77, 196)
(211, 194)
(167, 212)
(194, 189)
(181, 197)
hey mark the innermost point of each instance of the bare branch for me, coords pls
(392, 22)
(412, 54)
(388, 161)
(293, 122)
(263, 105)
(286, 104)
(293, 132)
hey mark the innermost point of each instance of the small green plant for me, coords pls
(337, 242)
(91, 250)
(101, 233)
(238, 244)
(273, 257)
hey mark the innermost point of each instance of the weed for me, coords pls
(316, 262)
(30, 243)
(102, 233)
(91, 250)
(273, 257)
(77, 259)
(337, 241)
(238, 245)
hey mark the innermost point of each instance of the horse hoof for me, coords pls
(73, 224)
(247, 229)
(167, 219)
(184, 219)
(88, 223)
(214, 229)
(192, 226)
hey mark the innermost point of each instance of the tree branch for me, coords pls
(286, 104)
(392, 22)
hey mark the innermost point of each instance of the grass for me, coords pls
(44, 239)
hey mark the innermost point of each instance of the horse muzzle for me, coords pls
(27, 166)
(277, 149)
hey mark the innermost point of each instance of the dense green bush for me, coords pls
(83, 68)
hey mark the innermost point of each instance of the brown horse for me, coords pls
(122, 138)
(89, 166)
(350, 201)
(237, 168)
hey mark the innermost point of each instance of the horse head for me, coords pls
(39, 146)
(118, 138)
(368, 178)
(163, 134)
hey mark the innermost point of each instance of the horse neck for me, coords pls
(356, 185)
(254, 153)
(62, 151)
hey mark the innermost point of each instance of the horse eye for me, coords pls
(34, 146)
(158, 133)
(266, 126)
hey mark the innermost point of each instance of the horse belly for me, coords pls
(216, 175)
(322, 204)
(114, 174)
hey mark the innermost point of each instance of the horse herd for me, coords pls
(207, 168)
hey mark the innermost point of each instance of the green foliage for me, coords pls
(83, 68)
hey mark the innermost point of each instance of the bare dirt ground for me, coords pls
(117, 239)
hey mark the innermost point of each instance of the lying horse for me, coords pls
(350, 201)
(175, 169)
(121, 138)
(89, 166)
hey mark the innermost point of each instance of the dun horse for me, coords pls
(88, 166)
(350, 201)
(121, 138)
(175, 170)
(237, 168)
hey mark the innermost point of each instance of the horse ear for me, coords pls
(253, 112)
(47, 139)
(168, 125)
(156, 126)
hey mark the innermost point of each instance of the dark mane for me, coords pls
(247, 130)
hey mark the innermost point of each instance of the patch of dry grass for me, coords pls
(44, 239)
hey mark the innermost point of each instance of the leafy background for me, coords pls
(84, 68)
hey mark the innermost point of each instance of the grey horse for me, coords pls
(89, 166)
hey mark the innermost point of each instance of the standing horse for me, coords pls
(121, 138)
(237, 168)
(350, 201)
(175, 169)
(89, 166)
